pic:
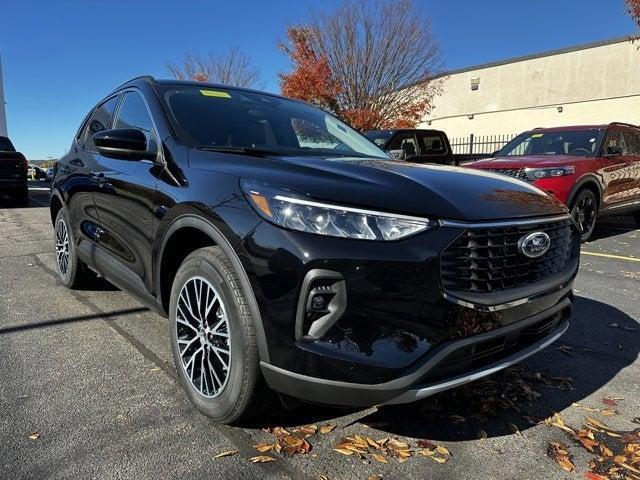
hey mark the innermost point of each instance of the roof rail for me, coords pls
(624, 124)
(148, 78)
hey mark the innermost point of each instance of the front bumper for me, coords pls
(399, 330)
(427, 378)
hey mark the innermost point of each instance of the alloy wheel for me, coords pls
(204, 344)
(62, 247)
(584, 214)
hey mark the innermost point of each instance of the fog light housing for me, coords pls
(322, 301)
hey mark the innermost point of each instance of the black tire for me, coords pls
(636, 215)
(243, 393)
(73, 273)
(584, 210)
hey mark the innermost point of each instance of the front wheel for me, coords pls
(584, 210)
(636, 215)
(213, 338)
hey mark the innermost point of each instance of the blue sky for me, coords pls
(60, 57)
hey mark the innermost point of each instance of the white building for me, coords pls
(3, 115)
(587, 84)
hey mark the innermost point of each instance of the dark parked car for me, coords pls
(420, 146)
(13, 173)
(290, 254)
(593, 169)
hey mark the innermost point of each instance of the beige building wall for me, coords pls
(593, 84)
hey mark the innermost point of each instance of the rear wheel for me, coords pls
(584, 210)
(636, 215)
(213, 338)
(72, 272)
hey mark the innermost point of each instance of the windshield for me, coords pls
(219, 118)
(582, 143)
(379, 137)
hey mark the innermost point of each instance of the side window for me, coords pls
(615, 139)
(133, 114)
(432, 144)
(404, 141)
(632, 141)
(100, 120)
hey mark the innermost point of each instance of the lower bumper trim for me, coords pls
(425, 391)
(409, 387)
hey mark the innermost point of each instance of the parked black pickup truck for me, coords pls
(420, 146)
(13, 173)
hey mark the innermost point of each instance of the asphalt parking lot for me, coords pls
(88, 389)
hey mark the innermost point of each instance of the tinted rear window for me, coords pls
(6, 145)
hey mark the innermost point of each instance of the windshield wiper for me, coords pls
(240, 150)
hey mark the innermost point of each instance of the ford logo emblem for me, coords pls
(534, 245)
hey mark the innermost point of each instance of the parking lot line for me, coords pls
(616, 257)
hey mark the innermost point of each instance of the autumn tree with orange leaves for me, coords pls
(373, 63)
(633, 9)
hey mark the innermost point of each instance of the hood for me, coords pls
(391, 186)
(534, 161)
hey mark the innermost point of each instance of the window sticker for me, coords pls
(215, 93)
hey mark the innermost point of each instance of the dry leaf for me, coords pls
(379, 458)
(426, 444)
(34, 435)
(482, 434)
(262, 459)
(439, 459)
(324, 429)
(344, 451)
(226, 453)
(596, 423)
(263, 447)
(559, 452)
(514, 429)
(442, 450)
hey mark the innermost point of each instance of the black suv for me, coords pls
(290, 254)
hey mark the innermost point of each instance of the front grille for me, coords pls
(488, 260)
(513, 172)
(478, 355)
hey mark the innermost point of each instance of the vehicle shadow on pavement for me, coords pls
(613, 226)
(600, 342)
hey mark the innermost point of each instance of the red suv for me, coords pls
(594, 169)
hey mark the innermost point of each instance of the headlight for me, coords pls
(296, 212)
(538, 173)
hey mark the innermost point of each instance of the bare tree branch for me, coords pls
(233, 68)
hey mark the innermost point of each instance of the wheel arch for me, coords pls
(200, 233)
(55, 205)
(588, 181)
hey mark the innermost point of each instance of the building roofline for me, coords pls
(532, 56)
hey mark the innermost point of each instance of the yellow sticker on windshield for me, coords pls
(215, 93)
(537, 135)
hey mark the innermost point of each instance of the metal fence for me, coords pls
(481, 144)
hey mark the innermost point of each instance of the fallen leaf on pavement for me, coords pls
(379, 458)
(482, 434)
(34, 435)
(226, 453)
(262, 459)
(263, 447)
(324, 429)
(560, 454)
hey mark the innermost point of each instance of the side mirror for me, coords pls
(124, 144)
(613, 151)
